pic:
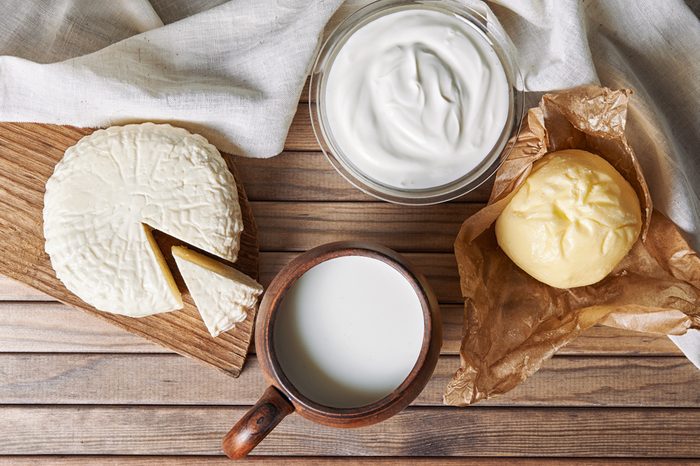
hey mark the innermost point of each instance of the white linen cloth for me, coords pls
(233, 71)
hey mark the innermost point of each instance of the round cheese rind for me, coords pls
(572, 220)
(111, 189)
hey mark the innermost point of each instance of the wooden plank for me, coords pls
(57, 328)
(12, 290)
(54, 327)
(308, 176)
(287, 226)
(90, 460)
(290, 176)
(151, 379)
(28, 155)
(301, 226)
(607, 341)
(296, 176)
(441, 270)
(304, 97)
(487, 431)
(301, 135)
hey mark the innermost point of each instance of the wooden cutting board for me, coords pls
(28, 154)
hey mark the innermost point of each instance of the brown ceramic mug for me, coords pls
(282, 398)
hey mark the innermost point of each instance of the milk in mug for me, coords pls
(349, 331)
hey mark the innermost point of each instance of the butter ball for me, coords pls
(572, 220)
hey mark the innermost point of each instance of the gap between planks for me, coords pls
(37, 327)
(93, 460)
(440, 268)
(302, 226)
(160, 379)
(308, 176)
(417, 431)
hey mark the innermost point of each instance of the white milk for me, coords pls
(349, 331)
(416, 98)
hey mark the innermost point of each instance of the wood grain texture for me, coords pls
(256, 424)
(308, 176)
(296, 176)
(152, 379)
(482, 431)
(28, 154)
(31, 327)
(441, 270)
(301, 226)
(12, 290)
(297, 227)
(301, 134)
(91, 460)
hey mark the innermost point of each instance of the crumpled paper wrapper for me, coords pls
(512, 322)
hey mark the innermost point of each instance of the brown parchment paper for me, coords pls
(512, 322)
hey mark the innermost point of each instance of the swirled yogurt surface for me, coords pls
(416, 99)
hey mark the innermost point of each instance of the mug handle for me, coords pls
(259, 421)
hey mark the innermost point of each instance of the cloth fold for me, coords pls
(233, 72)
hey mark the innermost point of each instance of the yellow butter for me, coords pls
(572, 221)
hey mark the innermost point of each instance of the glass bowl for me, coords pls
(494, 36)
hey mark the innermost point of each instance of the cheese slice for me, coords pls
(223, 295)
(111, 189)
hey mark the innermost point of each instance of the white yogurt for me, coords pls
(416, 99)
(349, 331)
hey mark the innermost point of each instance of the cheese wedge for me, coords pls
(223, 295)
(111, 189)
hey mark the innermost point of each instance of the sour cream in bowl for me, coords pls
(414, 102)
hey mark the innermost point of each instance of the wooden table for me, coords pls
(75, 390)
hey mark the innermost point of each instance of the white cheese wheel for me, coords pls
(111, 188)
(223, 295)
(572, 221)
